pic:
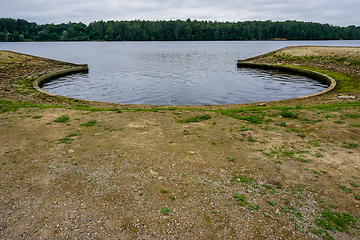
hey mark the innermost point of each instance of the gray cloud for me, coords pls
(337, 12)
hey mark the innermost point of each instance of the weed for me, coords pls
(243, 129)
(335, 221)
(240, 199)
(252, 140)
(36, 117)
(66, 140)
(231, 158)
(287, 114)
(287, 154)
(89, 123)
(354, 184)
(242, 178)
(73, 134)
(164, 191)
(172, 197)
(353, 116)
(350, 145)
(271, 203)
(252, 119)
(339, 122)
(195, 119)
(61, 119)
(281, 124)
(165, 211)
(308, 121)
(254, 207)
(345, 189)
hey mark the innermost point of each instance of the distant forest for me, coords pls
(15, 30)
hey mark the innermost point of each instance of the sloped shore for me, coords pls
(283, 170)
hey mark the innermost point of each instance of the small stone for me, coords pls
(262, 104)
(346, 97)
(153, 172)
(277, 211)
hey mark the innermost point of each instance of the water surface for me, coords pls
(179, 73)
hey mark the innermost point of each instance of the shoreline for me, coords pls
(71, 101)
(77, 169)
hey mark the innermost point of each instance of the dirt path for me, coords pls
(243, 173)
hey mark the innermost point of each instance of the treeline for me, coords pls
(12, 30)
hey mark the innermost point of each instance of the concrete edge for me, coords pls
(308, 73)
(48, 77)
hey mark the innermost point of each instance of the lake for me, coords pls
(172, 73)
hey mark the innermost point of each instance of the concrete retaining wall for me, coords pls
(308, 73)
(48, 77)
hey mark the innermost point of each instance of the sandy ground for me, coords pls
(143, 175)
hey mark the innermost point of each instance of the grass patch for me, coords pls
(287, 114)
(62, 119)
(240, 199)
(252, 119)
(241, 179)
(89, 123)
(195, 119)
(66, 140)
(165, 211)
(281, 124)
(335, 221)
(350, 145)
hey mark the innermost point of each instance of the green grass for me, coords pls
(254, 207)
(353, 116)
(335, 221)
(89, 123)
(252, 119)
(350, 145)
(165, 211)
(287, 114)
(281, 124)
(62, 119)
(195, 119)
(308, 121)
(345, 189)
(66, 140)
(241, 179)
(240, 199)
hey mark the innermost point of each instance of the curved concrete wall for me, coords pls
(48, 77)
(308, 73)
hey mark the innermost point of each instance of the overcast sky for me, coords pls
(334, 12)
